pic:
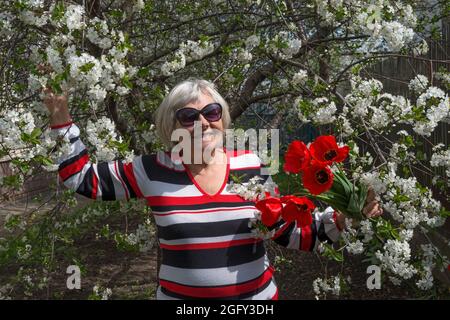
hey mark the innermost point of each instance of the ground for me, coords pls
(133, 275)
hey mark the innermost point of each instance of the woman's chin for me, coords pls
(208, 145)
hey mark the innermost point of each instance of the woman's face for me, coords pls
(211, 132)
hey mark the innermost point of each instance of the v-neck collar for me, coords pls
(224, 183)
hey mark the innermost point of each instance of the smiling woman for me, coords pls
(208, 247)
(188, 93)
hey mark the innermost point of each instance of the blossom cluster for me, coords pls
(103, 136)
(441, 158)
(434, 105)
(284, 45)
(187, 52)
(22, 139)
(98, 75)
(383, 109)
(144, 237)
(253, 189)
(320, 110)
(395, 258)
(331, 285)
(418, 84)
(101, 293)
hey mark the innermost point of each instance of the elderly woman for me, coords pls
(208, 249)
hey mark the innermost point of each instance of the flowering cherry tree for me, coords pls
(310, 60)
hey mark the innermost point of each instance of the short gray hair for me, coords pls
(182, 94)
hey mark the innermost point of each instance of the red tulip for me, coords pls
(297, 157)
(297, 209)
(317, 178)
(270, 208)
(326, 150)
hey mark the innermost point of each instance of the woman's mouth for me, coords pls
(207, 137)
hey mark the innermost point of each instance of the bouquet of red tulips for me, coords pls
(318, 181)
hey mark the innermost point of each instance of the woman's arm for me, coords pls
(326, 227)
(112, 180)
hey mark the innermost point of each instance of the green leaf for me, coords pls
(331, 253)
(32, 137)
(58, 11)
(87, 67)
(126, 82)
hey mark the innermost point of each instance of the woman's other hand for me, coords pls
(56, 104)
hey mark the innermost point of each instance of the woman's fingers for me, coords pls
(372, 209)
(369, 206)
(378, 213)
(375, 212)
(370, 195)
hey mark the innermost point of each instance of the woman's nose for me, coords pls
(205, 123)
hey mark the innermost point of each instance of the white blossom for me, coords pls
(169, 68)
(419, 83)
(104, 294)
(74, 17)
(98, 33)
(324, 112)
(244, 56)
(395, 258)
(356, 247)
(406, 234)
(252, 189)
(396, 35)
(322, 286)
(435, 104)
(139, 5)
(99, 134)
(54, 59)
(290, 45)
(196, 50)
(251, 42)
(366, 230)
(299, 78)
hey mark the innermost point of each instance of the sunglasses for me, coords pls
(211, 112)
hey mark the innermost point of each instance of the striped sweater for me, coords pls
(208, 249)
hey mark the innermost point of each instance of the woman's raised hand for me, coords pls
(56, 104)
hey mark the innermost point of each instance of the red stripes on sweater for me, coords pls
(220, 291)
(128, 168)
(73, 168)
(94, 186)
(167, 200)
(210, 245)
(306, 240)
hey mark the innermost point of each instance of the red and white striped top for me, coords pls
(208, 249)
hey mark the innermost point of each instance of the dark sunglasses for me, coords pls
(186, 116)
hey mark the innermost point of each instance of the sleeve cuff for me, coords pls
(328, 218)
(62, 125)
(335, 221)
(68, 130)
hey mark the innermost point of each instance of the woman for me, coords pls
(208, 250)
